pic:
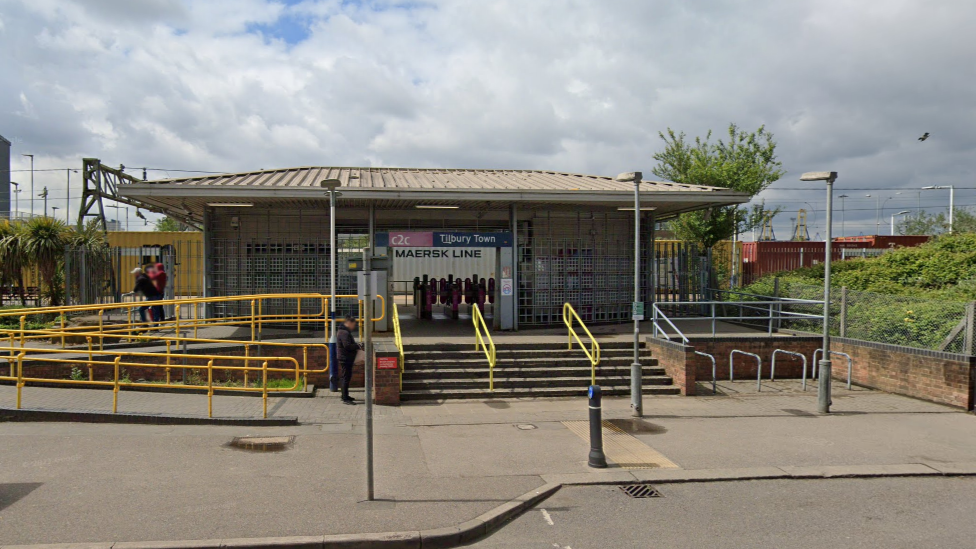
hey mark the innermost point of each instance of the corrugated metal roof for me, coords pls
(424, 179)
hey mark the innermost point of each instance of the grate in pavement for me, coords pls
(640, 491)
(263, 444)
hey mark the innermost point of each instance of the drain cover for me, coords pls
(262, 444)
(526, 426)
(641, 491)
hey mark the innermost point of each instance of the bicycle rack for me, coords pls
(850, 364)
(758, 373)
(772, 372)
(699, 353)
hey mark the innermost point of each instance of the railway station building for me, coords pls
(519, 243)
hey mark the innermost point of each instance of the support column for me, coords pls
(515, 268)
(207, 260)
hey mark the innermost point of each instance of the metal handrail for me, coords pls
(398, 340)
(569, 313)
(658, 313)
(489, 349)
(772, 371)
(121, 359)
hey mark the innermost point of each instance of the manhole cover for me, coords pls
(641, 491)
(262, 444)
(526, 426)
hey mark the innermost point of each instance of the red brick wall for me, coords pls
(685, 367)
(945, 378)
(678, 361)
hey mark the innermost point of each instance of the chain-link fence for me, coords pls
(899, 320)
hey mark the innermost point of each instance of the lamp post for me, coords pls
(843, 216)
(331, 185)
(636, 381)
(952, 199)
(16, 200)
(32, 184)
(903, 212)
(823, 393)
(55, 210)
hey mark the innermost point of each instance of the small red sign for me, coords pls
(387, 363)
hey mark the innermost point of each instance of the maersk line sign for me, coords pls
(443, 240)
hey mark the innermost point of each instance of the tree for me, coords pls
(12, 260)
(746, 163)
(43, 242)
(963, 221)
(168, 224)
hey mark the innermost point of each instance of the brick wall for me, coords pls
(678, 361)
(946, 378)
(685, 367)
(386, 383)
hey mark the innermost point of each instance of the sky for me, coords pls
(574, 85)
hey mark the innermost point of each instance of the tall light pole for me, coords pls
(67, 200)
(952, 199)
(331, 185)
(903, 212)
(823, 394)
(636, 381)
(843, 216)
(32, 184)
(16, 200)
(55, 210)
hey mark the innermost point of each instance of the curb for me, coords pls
(87, 416)
(453, 536)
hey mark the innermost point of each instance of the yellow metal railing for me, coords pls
(130, 329)
(398, 340)
(479, 324)
(593, 353)
(117, 361)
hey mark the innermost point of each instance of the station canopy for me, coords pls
(407, 188)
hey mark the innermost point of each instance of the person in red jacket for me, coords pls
(159, 279)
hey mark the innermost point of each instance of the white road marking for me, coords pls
(545, 515)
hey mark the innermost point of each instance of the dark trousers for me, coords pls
(346, 376)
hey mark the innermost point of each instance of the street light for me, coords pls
(16, 199)
(636, 381)
(823, 392)
(952, 199)
(843, 216)
(903, 212)
(331, 185)
(55, 210)
(32, 183)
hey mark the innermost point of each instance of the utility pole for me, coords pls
(44, 196)
(636, 380)
(32, 183)
(368, 347)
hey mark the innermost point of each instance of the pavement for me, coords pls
(437, 464)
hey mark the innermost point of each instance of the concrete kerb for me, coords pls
(453, 536)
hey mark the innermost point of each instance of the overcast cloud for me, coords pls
(574, 85)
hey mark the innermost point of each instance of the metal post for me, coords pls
(333, 371)
(596, 458)
(368, 339)
(843, 312)
(952, 204)
(823, 396)
(636, 390)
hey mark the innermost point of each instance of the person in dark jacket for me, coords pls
(159, 278)
(346, 349)
(144, 287)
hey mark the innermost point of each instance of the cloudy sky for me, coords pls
(573, 85)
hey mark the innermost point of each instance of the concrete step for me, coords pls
(536, 373)
(535, 392)
(529, 383)
(554, 363)
(513, 346)
(470, 352)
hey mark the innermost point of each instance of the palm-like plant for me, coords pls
(43, 244)
(12, 259)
